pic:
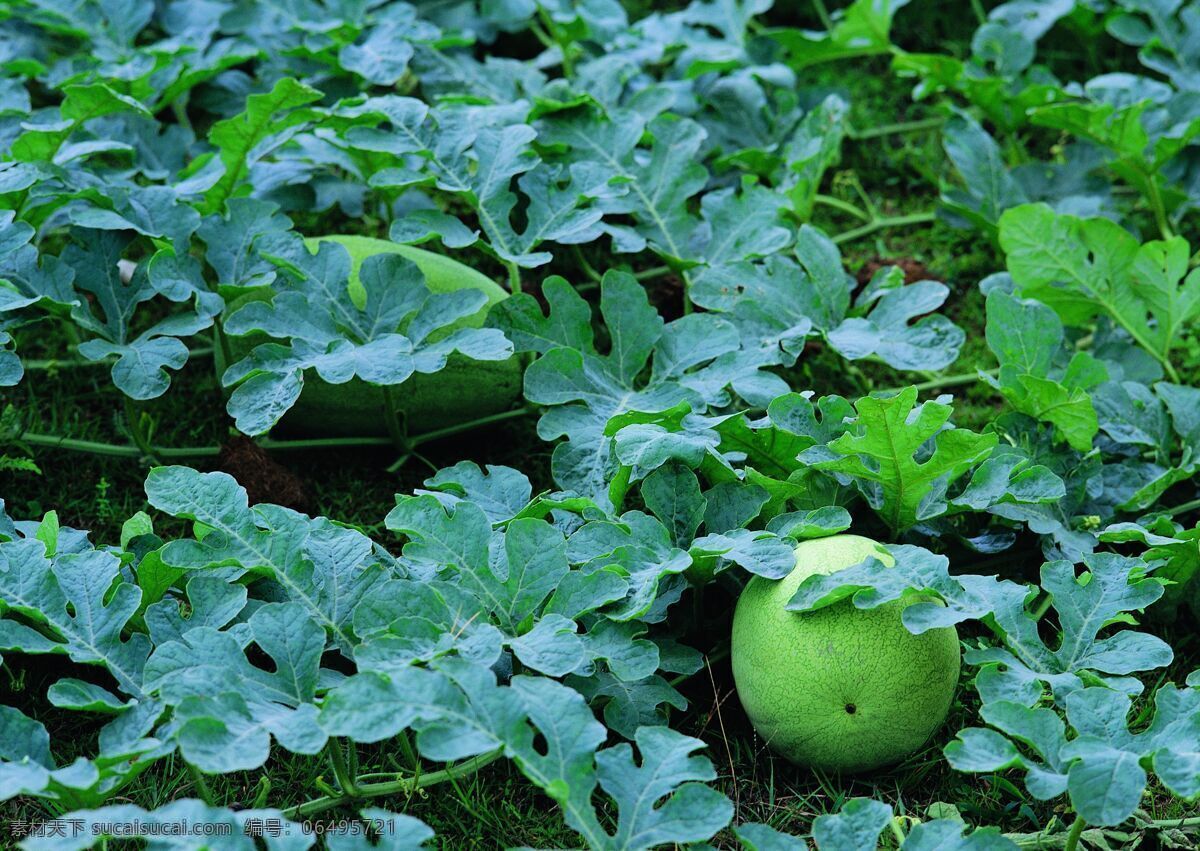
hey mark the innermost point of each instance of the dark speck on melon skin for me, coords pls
(797, 674)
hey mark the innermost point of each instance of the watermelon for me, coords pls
(464, 390)
(840, 688)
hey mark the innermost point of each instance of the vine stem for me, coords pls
(883, 223)
(76, 363)
(1042, 607)
(1184, 508)
(823, 14)
(1159, 208)
(719, 654)
(945, 382)
(202, 788)
(1073, 836)
(568, 66)
(652, 272)
(619, 487)
(394, 429)
(116, 450)
(140, 438)
(264, 791)
(1177, 822)
(514, 276)
(459, 428)
(844, 206)
(179, 108)
(400, 786)
(399, 463)
(346, 780)
(585, 265)
(899, 127)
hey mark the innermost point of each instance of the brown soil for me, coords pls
(914, 270)
(264, 478)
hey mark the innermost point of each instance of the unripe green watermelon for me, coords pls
(839, 688)
(465, 390)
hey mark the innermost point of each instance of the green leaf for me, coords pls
(739, 226)
(861, 29)
(559, 202)
(210, 602)
(812, 151)
(1183, 403)
(815, 523)
(645, 442)
(931, 343)
(25, 748)
(501, 492)
(1006, 479)
(27, 767)
(67, 596)
(81, 103)
(760, 837)
(514, 582)
(777, 305)
(1086, 267)
(1143, 139)
(658, 186)
(382, 56)
(1101, 765)
(672, 493)
(662, 800)
(140, 370)
(1173, 548)
(953, 835)
(1112, 586)
(760, 553)
(1027, 339)
(585, 390)
(659, 801)
(324, 566)
(232, 239)
(241, 140)
(856, 827)
(880, 453)
(915, 574)
(988, 188)
(638, 548)
(629, 705)
(227, 709)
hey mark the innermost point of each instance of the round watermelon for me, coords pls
(840, 688)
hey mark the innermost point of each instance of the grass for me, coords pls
(495, 807)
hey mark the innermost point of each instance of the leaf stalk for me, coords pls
(1073, 836)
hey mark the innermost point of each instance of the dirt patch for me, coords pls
(264, 478)
(666, 295)
(914, 270)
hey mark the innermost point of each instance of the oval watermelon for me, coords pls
(464, 390)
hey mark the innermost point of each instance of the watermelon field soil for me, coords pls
(494, 807)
